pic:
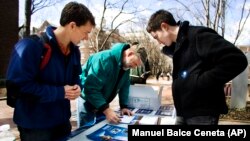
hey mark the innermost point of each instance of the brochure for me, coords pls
(109, 132)
(144, 111)
(166, 110)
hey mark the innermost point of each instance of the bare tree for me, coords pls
(207, 9)
(28, 13)
(242, 25)
(100, 26)
(103, 35)
(213, 14)
(223, 17)
(32, 6)
(187, 8)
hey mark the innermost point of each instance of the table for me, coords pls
(81, 135)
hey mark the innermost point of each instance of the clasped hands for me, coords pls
(72, 92)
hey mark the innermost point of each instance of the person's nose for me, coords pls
(86, 37)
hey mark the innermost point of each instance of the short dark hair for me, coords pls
(76, 12)
(159, 17)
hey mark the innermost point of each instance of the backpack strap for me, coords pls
(46, 52)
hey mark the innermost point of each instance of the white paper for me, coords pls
(168, 120)
(126, 119)
(148, 120)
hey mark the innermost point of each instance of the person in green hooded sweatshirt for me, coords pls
(105, 75)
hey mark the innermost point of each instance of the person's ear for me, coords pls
(72, 25)
(164, 26)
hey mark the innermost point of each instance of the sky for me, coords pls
(146, 8)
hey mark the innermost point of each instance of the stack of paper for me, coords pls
(127, 119)
(168, 120)
(149, 120)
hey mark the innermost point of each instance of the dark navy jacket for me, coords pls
(42, 103)
(203, 62)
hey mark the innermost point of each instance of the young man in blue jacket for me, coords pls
(203, 62)
(42, 110)
(103, 76)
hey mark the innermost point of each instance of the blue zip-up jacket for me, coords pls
(41, 102)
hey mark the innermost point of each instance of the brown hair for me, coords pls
(159, 17)
(76, 12)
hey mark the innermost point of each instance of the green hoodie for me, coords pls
(99, 77)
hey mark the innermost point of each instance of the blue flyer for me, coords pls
(144, 111)
(109, 132)
(166, 110)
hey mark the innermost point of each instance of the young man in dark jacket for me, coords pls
(42, 110)
(203, 62)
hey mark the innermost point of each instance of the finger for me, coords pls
(126, 112)
(75, 87)
(114, 121)
(69, 93)
(117, 119)
(71, 96)
(129, 113)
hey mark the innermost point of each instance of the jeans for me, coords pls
(51, 134)
(87, 117)
(198, 120)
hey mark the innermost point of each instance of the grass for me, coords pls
(236, 113)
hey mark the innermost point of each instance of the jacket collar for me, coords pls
(182, 31)
(181, 36)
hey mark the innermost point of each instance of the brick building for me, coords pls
(8, 32)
